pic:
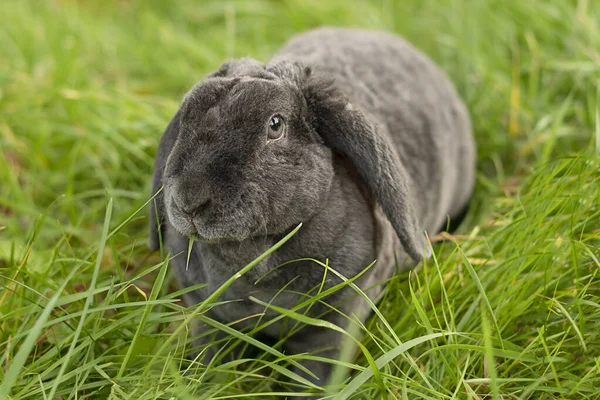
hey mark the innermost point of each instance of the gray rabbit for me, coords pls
(353, 133)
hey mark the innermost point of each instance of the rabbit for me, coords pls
(353, 133)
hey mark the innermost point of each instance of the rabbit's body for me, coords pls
(401, 88)
(366, 162)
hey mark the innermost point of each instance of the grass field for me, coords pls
(507, 309)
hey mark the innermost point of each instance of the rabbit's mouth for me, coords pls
(210, 234)
(231, 229)
(224, 231)
(212, 239)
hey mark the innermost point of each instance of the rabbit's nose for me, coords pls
(194, 209)
(192, 202)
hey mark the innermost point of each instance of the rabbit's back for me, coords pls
(411, 100)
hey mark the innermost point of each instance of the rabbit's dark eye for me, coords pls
(275, 127)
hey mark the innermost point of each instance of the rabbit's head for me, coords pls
(246, 161)
(250, 153)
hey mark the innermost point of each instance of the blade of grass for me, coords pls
(481, 290)
(597, 124)
(158, 283)
(489, 359)
(88, 301)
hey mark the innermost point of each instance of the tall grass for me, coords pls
(509, 307)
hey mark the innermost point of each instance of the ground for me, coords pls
(509, 307)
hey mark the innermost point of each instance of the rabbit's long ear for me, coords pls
(348, 130)
(157, 216)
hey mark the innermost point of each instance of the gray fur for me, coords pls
(377, 150)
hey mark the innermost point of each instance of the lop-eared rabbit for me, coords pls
(355, 134)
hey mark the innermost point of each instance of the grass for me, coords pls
(509, 307)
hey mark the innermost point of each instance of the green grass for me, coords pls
(509, 308)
